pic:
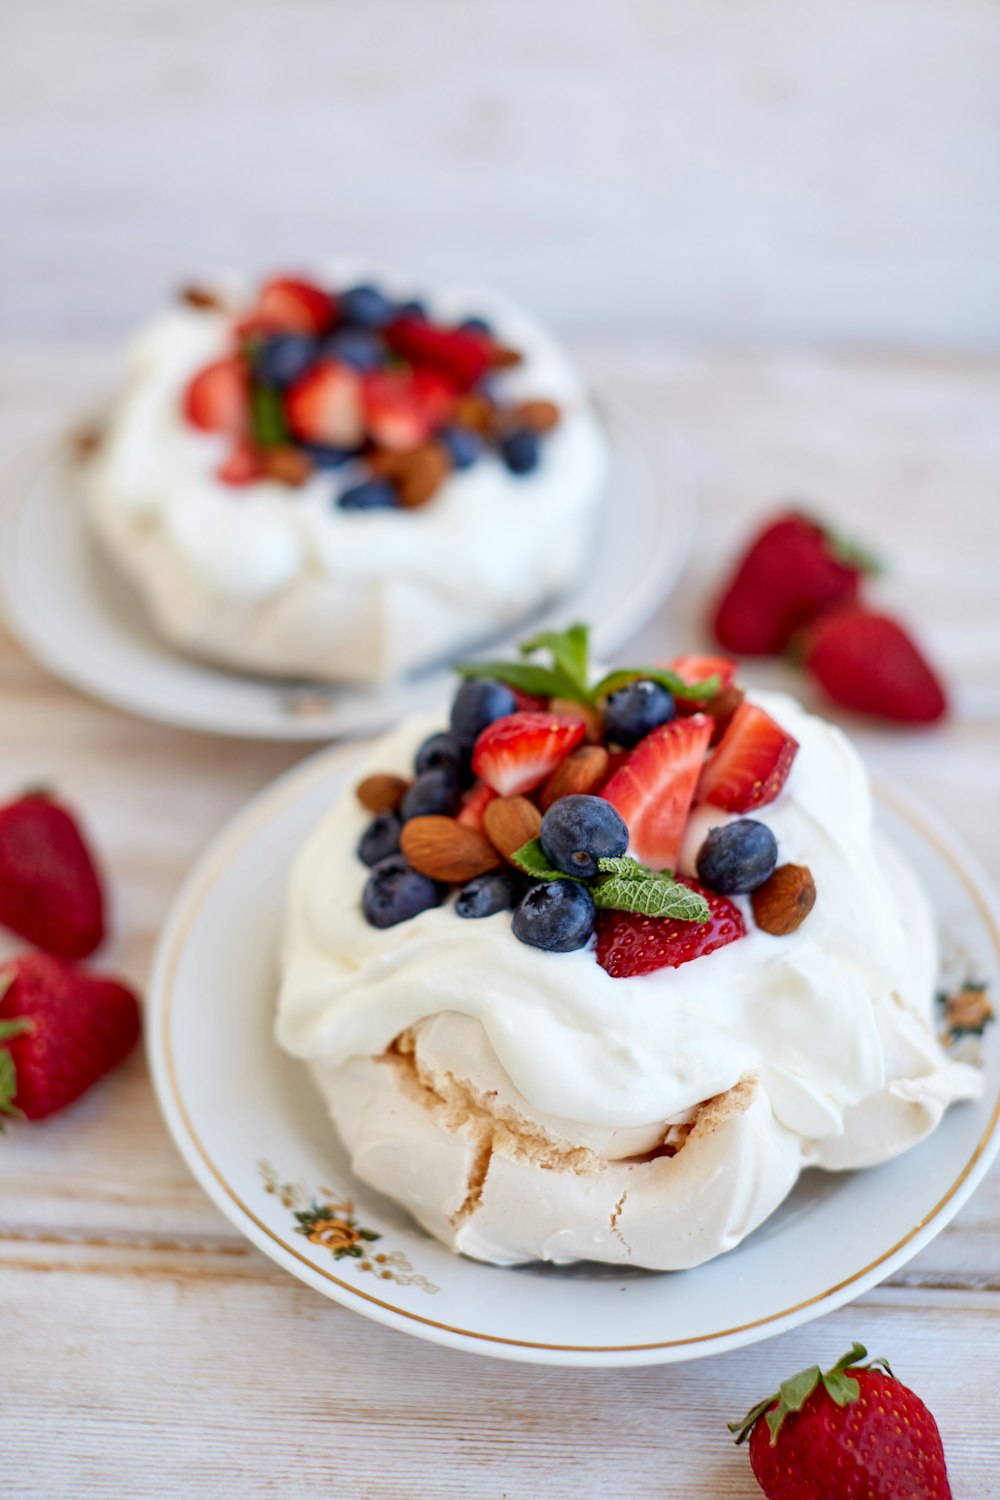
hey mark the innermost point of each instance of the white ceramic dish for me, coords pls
(81, 621)
(255, 1134)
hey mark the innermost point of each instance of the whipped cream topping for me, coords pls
(286, 581)
(814, 1016)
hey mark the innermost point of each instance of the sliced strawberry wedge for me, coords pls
(750, 764)
(629, 944)
(463, 358)
(325, 406)
(474, 804)
(654, 788)
(693, 668)
(290, 305)
(402, 408)
(217, 399)
(515, 754)
(242, 465)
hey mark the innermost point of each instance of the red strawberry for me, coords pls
(288, 304)
(402, 408)
(855, 1433)
(242, 465)
(529, 700)
(791, 573)
(628, 943)
(516, 753)
(463, 358)
(325, 405)
(654, 788)
(750, 764)
(50, 891)
(866, 662)
(693, 668)
(474, 804)
(63, 1029)
(217, 399)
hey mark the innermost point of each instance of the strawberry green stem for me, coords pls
(793, 1393)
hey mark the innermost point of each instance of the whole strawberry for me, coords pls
(792, 572)
(50, 891)
(854, 1433)
(61, 1029)
(866, 662)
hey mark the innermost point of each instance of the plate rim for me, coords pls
(269, 803)
(41, 464)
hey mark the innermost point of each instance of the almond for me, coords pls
(423, 476)
(474, 410)
(580, 774)
(588, 716)
(721, 708)
(447, 850)
(539, 416)
(504, 358)
(201, 297)
(381, 792)
(287, 465)
(785, 899)
(511, 822)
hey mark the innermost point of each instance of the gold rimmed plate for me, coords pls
(256, 1136)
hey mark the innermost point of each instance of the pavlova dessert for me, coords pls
(336, 480)
(595, 970)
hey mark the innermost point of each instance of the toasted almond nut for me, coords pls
(721, 708)
(381, 792)
(511, 822)
(200, 296)
(387, 463)
(447, 850)
(504, 358)
(580, 774)
(287, 465)
(785, 899)
(474, 410)
(424, 475)
(590, 717)
(539, 416)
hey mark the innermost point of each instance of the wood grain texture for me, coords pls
(157, 1354)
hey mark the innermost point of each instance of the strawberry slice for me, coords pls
(242, 465)
(693, 668)
(402, 408)
(474, 804)
(750, 764)
(290, 305)
(654, 788)
(866, 662)
(463, 357)
(324, 406)
(629, 944)
(515, 754)
(217, 399)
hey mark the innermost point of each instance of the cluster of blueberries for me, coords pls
(576, 832)
(363, 312)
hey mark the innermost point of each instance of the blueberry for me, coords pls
(500, 890)
(355, 347)
(464, 445)
(737, 857)
(477, 703)
(283, 358)
(366, 307)
(414, 308)
(325, 457)
(380, 838)
(634, 710)
(371, 494)
(558, 916)
(432, 792)
(578, 831)
(394, 892)
(476, 325)
(520, 450)
(441, 752)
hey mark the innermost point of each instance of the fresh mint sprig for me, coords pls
(623, 885)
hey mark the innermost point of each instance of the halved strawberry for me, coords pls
(242, 465)
(629, 944)
(394, 415)
(654, 788)
(750, 764)
(694, 668)
(290, 305)
(325, 406)
(463, 357)
(217, 399)
(474, 804)
(515, 754)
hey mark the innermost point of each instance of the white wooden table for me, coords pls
(149, 1351)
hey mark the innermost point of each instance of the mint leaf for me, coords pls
(570, 653)
(542, 682)
(627, 868)
(532, 860)
(651, 896)
(689, 691)
(267, 417)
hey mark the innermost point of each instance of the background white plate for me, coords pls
(83, 622)
(232, 1101)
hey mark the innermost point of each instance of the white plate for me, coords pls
(83, 622)
(233, 1101)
